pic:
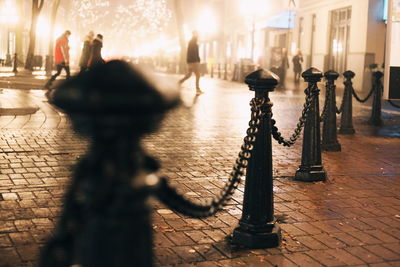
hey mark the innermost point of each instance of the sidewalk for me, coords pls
(353, 219)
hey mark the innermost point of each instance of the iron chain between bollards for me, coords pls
(393, 104)
(275, 131)
(366, 98)
(339, 110)
(327, 99)
(169, 196)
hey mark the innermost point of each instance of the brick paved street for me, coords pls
(353, 219)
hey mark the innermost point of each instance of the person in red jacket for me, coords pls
(61, 57)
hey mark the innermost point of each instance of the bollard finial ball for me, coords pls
(262, 79)
(331, 75)
(312, 75)
(378, 74)
(348, 74)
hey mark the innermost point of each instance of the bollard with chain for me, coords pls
(106, 219)
(15, 68)
(376, 119)
(311, 168)
(257, 226)
(329, 129)
(346, 119)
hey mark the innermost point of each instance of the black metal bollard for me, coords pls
(257, 227)
(329, 129)
(346, 120)
(376, 119)
(106, 220)
(311, 168)
(15, 68)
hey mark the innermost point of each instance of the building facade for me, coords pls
(332, 34)
(342, 35)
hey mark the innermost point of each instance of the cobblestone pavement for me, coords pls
(352, 219)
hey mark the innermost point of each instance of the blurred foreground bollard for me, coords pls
(376, 118)
(329, 129)
(105, 219)
(311, 168)
(257, 227)
(346, 120)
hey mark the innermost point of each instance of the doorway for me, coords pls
(339, 39)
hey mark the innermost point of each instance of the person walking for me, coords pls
(297, 68)
(86, 51)
(95, 53)
(61, 57)
(193, 62)
(283, 67)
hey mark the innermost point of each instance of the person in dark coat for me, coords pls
(95, 55)
(283, 67)
(87, 45)
(193, 61)
(297, 69)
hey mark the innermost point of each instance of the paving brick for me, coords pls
(179, 238)
(302, 259)
(311, 242)
(329, 241)
(5, 241)
(336, 222)
(343, 256)
(383, 252)
(21, 238)
(364, 254)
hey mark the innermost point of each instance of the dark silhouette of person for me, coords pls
(86, 51)
(95, 55)
(193, 62)
(284, 66)
(297, 68)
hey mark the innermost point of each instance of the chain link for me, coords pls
(393, 104)
(310, 96)
(339, 110)
(365, 99)
(169, 195)
(327, 99)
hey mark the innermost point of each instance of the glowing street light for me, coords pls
(252, 9)
(9, 17)
(206, 22)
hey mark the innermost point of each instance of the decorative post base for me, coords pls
(331, 147)
(347, 131)
(376, 122)
(268, 237)
(311, 173)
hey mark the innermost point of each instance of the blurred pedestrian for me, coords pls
(193, 62)
(284, 66)
(61, 57)
(95, 52)
(297, 68)
(87, 46)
